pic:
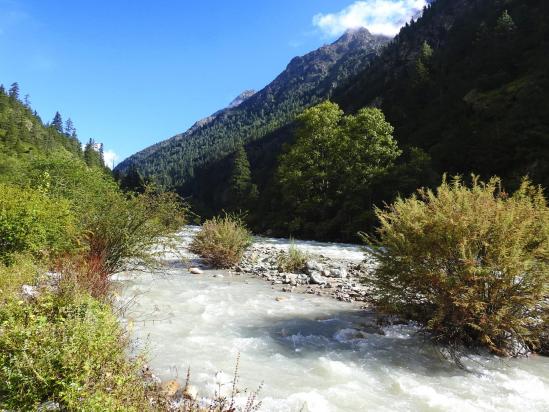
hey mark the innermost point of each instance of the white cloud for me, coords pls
(379, 16)
(110, 158)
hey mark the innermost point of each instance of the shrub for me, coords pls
(126, 228)
(32, 222)
(471, 264)
(66, 349)
(222, 241)
(292, 261)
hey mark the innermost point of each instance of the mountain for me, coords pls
(306, 80)
(467, 83)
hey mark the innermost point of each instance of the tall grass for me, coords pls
(292, 261)
(222, 241)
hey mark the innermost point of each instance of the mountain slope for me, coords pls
(306, 80)
(476, 98)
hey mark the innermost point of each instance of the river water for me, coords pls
(306, 349)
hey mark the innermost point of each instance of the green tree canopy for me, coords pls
(333, 164)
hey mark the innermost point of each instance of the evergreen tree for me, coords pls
(27, 101)
(57, 122)
(505, 24)
(14, 91)
(241, 188)
(69, 127)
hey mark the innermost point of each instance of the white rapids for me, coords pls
(306, 349)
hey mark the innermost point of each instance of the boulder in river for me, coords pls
(196, 271)
(316, 278)
(313, 266)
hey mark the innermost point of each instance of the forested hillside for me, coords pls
(24, 137)
(469, 84)
(307, 80)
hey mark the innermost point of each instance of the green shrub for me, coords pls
(125, 228)
(471, 264)
(292, 261)
(22, 270)
(66, 349)
(222, 241)
(30, 221)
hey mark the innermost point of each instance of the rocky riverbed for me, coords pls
(340, 278)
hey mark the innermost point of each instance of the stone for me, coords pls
(196, 271)
(340, 273)
(190, 392)
(29, 292)
(316, 278)
(49, 406)
(170, 388)
(313, 266)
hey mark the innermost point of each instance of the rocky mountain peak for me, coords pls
(241, 98)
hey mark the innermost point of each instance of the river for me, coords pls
(306, 349)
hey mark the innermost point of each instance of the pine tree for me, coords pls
(14, 91)
(241, 180)
(505, 24)
(57, 122)
(27, 101)
(69, 127)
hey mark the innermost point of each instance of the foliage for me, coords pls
(333, 163)
(125, 228)
(242, 192)
(68, 350)
(222, 241)
(22, 270)
(479, 103)
(471, 264)
(30, 222)
(292, 261)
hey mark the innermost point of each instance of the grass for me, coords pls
(222, 241)
(293, 261)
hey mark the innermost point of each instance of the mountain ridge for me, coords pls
(306, 80)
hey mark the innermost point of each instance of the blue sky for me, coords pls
(131, 73)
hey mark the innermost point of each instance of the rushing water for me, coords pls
(306, 348)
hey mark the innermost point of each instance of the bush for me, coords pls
(470, 264)
(126, 228)
(292, 261)
(32, 222)
(66, 349)
(222, 241)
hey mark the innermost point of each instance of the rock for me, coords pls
(190, 392)
(313, 266)
(280, 298)
(29, 292)
(316, 278)
(340, 273)
(290, 278)
(170, 388)
(196, 271)
(218, 275)
(48, 406)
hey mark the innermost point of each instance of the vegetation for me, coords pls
(474, 94)
(62, 343)
(222, 241)
(69, 350)
(292, 261)
(32, 222)
(471, 264)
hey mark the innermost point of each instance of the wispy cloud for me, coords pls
(379, 16)
(110, 158)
